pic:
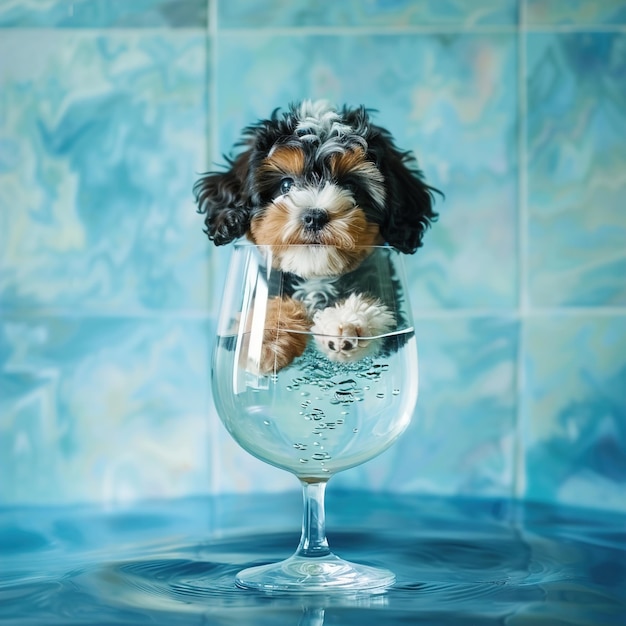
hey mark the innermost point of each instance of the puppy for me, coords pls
(331, 182)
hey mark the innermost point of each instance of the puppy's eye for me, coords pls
(285, 185)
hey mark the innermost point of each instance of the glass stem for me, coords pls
(313, 541)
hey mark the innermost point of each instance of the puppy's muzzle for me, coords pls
(314, 220)
(342, 345)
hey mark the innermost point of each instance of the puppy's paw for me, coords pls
(351, 329)
(284, 337)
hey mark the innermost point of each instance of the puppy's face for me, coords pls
(322, 197)
(325, 180)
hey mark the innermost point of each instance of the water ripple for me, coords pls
(477, 571)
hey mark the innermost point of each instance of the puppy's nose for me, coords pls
(315, 219)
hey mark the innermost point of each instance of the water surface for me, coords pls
(173, 562)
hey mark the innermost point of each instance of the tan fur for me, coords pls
(285, 160)
(285, 338)
(354, 161)
(270, 228)
(348, 233)
(346, 230)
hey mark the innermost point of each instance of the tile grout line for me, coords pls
(342, 31)
(213, 49)
(520, 448)
(212, 148)
(204, 315)
(435, 29)
(100, 30)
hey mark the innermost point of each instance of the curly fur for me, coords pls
(318, 185)
(318, 145)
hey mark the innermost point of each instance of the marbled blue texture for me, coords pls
(103, 408)
(576, 173)
(575, 409)
(109, 288)
(98, 155)
(579, 12)
(467, 384)
(462, 437)
(103, 13)
(372, 13)
(449, 99)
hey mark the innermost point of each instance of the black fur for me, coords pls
(375, 277)
(230, 199)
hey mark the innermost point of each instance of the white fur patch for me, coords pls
(312, 261)
(316, 293)
(353, 328)
(317, 260)
(321, 120)
(329, 197)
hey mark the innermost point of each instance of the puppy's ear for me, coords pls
(409, 205)
(223, 197)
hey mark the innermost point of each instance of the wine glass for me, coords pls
(321, 412)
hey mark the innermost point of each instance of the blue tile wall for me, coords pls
(402, 76)
(103, 407)
(581, 13)
(576, 124)
(104, 13)
(109, 288)
(99, 162)
(359, 13)
(575, 408)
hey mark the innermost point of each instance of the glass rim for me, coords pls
(267, 246)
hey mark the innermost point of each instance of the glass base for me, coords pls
(311, 574)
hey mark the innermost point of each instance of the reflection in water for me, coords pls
(457, 562)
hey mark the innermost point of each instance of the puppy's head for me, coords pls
(327, 180)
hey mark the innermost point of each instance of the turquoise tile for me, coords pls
(103, 13)
(576, 169)
(575, 410)
(575, 12)
(462, 437)
(97, 164)
(298, 13)
(451, 99)
(103, 409)
(239, 472)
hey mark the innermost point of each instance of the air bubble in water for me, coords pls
(321, 456)
(349, 383)
(317, 414)
(266, 422)
(344, 396)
